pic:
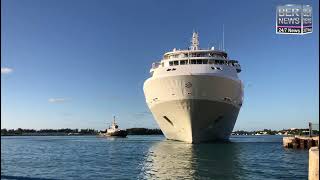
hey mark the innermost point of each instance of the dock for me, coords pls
(301, 142)
(306, 142)
(310, 142)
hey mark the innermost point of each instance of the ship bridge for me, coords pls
(195, 53)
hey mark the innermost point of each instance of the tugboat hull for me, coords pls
(121, 133)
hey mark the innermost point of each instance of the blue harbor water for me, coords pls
(149, 157)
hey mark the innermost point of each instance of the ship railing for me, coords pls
(155, 65)
(194, 54)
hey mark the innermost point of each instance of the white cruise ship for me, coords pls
(195, 94)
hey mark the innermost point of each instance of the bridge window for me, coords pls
(171, 63)
(193, 62)
(205, 61)
(199, 61)
(183, 62)
(176, 63)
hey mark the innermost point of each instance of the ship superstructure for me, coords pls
(195, 94)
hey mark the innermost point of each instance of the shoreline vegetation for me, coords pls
(286, 132)
(73, 132)
(137, 131)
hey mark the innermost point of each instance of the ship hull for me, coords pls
(204, 121)
(194, 108)
(120, 133)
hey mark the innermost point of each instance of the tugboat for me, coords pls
(114, 130)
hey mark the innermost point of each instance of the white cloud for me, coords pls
(57, 100)
(6, 70)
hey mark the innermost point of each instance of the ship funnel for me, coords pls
(195, 41)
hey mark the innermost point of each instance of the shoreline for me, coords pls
(25, 135)
(81, 135)
(143, 131)
(73, 132)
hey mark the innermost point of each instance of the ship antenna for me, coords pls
(114, 119)
(223, 37)
(195, 41)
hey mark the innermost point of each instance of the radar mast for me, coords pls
(195, 41)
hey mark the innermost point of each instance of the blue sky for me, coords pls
(76, 63)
